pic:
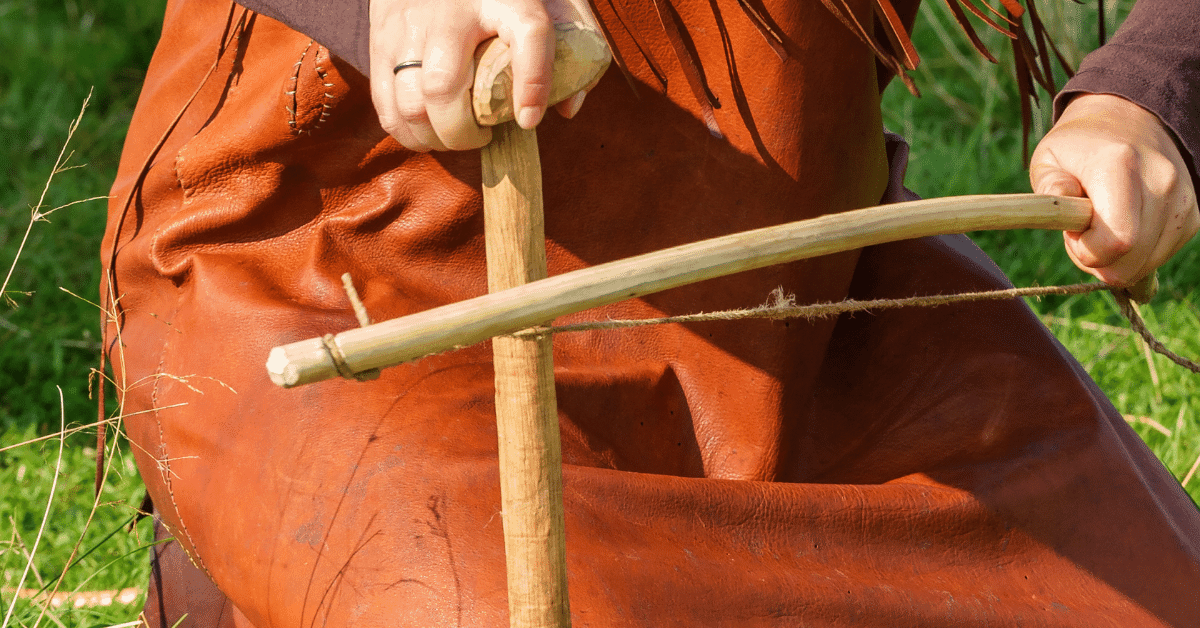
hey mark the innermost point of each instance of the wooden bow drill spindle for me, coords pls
(530, 451)
(526, 409)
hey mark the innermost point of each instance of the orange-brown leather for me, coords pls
(946, 467)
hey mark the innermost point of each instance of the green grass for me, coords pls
(55, 53)
(107, 556)
(966, 140)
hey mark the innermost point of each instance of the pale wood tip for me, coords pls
(280, 369)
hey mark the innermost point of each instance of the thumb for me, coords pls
(1050, 179)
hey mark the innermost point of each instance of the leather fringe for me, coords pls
(769, 31)
(618, 58)
(841, 10)
(1033, 50)
(690, 61)
(896, 33)
(1034, 54)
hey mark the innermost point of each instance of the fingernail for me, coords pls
(528, 117)
(574, 104)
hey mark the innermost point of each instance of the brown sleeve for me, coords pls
(342, 26)
(1154, 61)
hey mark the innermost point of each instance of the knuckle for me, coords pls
(534, 25)
(1089, 259)
(394, 129)
(413, 115)
(1162, 177)
(401, 134)
(388, 120)
(391, 120)
(1164, 166)
(536, 92)
(440, 85)
(1082, 258)
(527, 14)
(411, 111)
(1123, 155)
(383, 109)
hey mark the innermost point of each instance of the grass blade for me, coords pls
(62, 439)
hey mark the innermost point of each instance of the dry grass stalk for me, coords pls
(62, 440)
(1088, 325)
(1191, 472)
(79, 599)
(1145, 420)
(35, 213)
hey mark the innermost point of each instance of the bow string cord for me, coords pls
(781, 306)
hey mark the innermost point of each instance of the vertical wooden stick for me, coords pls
(526, 409)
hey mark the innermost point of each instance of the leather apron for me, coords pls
(944, 467)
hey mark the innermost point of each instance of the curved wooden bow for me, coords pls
(468, 322)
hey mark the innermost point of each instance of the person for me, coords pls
(945, 467)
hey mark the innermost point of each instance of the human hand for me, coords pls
(429, 107)
(1123, 158)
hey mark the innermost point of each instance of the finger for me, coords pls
(1048, 178)
(396, 93)
(448, 72)
(526, 28)
(1167, 219)
(1181, 221)
(383, 78)
(1125, 272)
(410, 103)
(1168, 223)
(1118, 207)
(570, 107)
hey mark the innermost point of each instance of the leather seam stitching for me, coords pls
(295, 81)
(165, 461)
(326, 107)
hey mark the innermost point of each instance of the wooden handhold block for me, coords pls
(580, 57)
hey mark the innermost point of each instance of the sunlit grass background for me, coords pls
(54, 53)
(965, 133)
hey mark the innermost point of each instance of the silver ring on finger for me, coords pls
(404, 65)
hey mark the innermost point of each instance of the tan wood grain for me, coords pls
(530, 451)
(468, 322)
(580, 57)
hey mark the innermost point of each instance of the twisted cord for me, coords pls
(1130, 312)
(781, 306)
